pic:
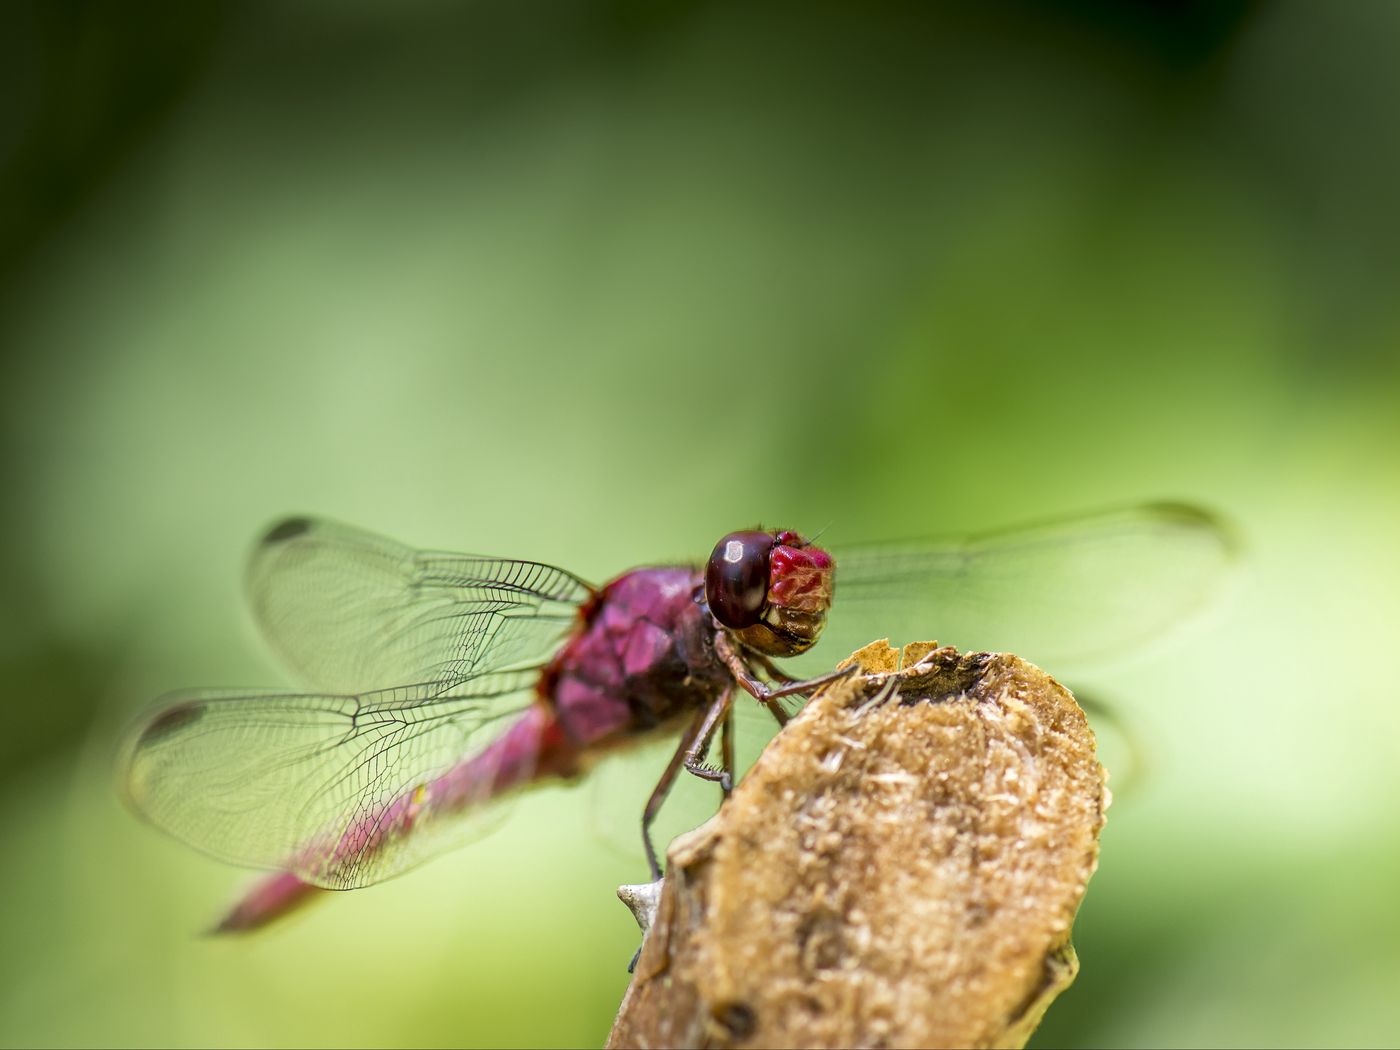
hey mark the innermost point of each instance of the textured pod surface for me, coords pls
(898, 869)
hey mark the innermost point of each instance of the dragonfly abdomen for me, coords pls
(533, 748)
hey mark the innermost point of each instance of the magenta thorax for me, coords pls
(642, 655)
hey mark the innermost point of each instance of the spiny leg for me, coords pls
(717, 713)
(663, 788)
(804, 687)
(726, 747)
(776, 673)
(771, 669)
(699, 731)
(762, 691)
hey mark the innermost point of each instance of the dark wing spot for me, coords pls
(170, 720)
(287, 529)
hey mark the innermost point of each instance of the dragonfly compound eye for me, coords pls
(736, 578)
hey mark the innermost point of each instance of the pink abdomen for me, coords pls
(533, 748)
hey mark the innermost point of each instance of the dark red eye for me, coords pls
(736, 578)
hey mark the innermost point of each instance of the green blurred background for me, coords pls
(596, 283)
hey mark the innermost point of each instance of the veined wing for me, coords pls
(1066, 591)
(342, 790)
(349, 611)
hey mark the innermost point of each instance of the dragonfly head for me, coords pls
(772, 589)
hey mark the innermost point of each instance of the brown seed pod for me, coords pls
(901, 867)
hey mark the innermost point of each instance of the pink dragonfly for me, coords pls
(443, 682)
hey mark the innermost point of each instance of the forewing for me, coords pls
(349, 611)
(342, 790)
(1069, 591)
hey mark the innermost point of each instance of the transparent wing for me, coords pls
(342, 790)
(349, 611)
(1067, 591)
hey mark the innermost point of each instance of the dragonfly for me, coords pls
(435, 685)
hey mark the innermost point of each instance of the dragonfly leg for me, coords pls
(778, 712)
(762, 691)
(771, 669)
(793, 688)
(663, 788)
(726, 748)
(717, 713)
(776, 673)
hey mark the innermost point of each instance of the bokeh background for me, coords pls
(595, 283)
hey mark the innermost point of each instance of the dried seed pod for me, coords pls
(901, 867)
